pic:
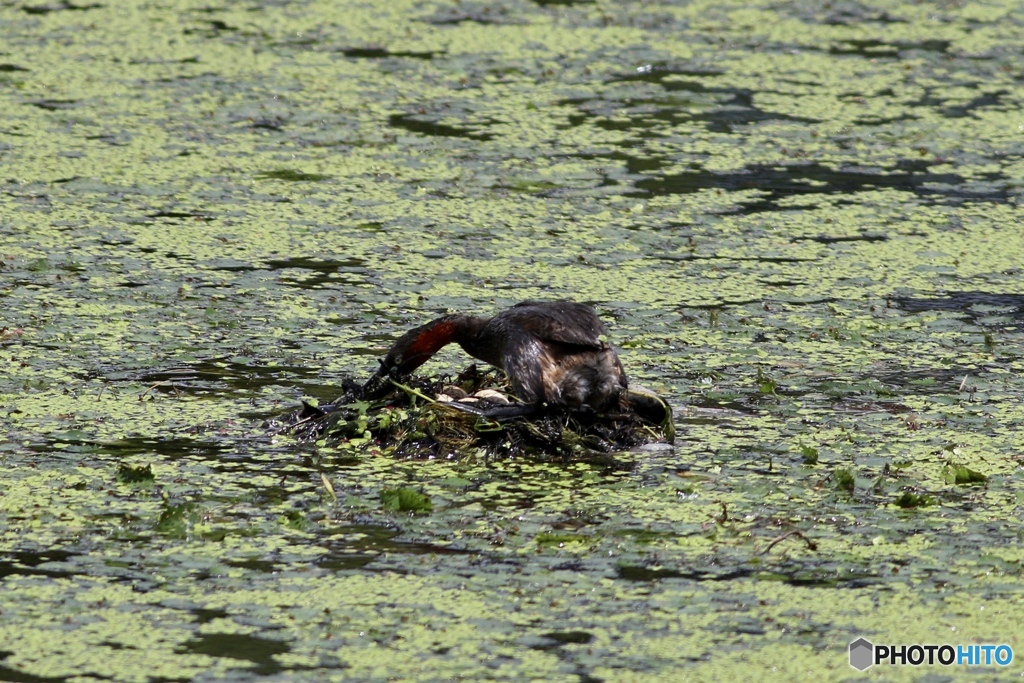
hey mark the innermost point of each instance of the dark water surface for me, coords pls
(801, 222)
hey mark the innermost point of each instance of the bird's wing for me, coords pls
(567, 322)
(522, 359)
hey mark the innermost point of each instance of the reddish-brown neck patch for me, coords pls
(424, 342)
(430, 340)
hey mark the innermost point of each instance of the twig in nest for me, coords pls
(328, 486)
(160, 383)
(724, 517)
(412, 392)
(810, 544)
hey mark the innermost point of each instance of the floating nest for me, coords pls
(431, 418)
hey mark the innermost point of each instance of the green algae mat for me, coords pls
(801, 223)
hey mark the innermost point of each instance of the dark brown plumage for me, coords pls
(553, 352)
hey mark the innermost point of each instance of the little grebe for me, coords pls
(553, 352)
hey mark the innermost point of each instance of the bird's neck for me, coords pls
(417, 346)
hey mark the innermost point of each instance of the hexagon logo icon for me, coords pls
(862, 654)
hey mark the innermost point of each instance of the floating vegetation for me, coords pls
(291, 175)
(802, 219)
(844, 480)
(442, 417)
(127, 474)
(405, 500)
(961, 475)
(810, 454)
(908, 499)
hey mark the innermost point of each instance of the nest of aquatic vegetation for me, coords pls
(415, 419)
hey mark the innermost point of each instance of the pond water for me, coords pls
(800, 221)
